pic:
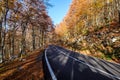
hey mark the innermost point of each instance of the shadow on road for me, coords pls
(66, 68)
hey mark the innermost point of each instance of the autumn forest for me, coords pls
(90, 27)
(24, 25)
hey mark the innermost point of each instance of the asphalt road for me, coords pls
(69, 65)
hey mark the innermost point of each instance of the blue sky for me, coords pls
(59, 9)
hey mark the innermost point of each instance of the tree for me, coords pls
(26, 24)
(83, 23)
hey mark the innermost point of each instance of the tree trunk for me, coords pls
(119, 16)
(23, 42)
(33, 38)
(13, 42)
(1, 41)
(39, 42)
(3, 33)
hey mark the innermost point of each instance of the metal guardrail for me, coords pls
(49, 67)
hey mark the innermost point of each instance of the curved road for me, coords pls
(63, 64)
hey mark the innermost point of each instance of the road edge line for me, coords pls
(49, 67)
(62, 52)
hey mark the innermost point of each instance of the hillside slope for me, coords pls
(29, 68)
(92, 26)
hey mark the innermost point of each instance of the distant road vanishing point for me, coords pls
(63, 64)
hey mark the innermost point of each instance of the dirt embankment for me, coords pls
(29, 69)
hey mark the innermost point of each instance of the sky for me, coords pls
(59, 10)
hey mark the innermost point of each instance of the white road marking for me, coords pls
(49, 67)
(87, 64)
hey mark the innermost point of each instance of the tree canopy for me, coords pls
(24, 25)
(90, 25)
